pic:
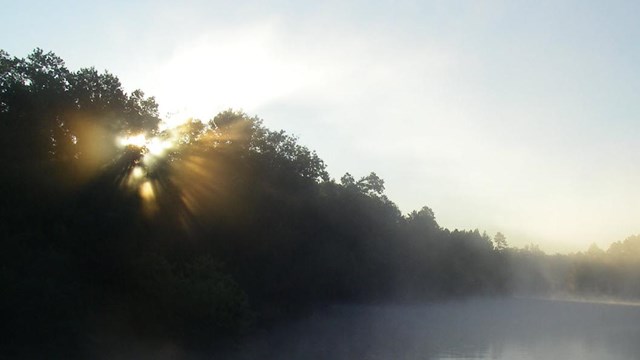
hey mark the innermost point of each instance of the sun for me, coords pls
(150, 147)
(138, 140)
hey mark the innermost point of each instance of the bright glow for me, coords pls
(148, 195)
(151, 149)
(137, 172)
(146, 191)
(211, 72)
(157, 146)
(174, 120)
(136, 140)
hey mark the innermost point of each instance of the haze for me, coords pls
(503, 116)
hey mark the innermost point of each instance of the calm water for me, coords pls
(474, 329)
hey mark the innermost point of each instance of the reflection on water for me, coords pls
(474, 329)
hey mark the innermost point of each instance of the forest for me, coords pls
(116, 229)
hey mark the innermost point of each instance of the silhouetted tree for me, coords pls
(500, 242)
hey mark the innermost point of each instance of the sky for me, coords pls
(513, 116)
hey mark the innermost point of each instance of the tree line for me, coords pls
(229, 227)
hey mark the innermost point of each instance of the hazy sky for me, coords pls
(512, 116)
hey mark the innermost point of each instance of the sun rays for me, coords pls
(174, 169)
(151, 149)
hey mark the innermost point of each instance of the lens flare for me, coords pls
(137, 172)
(146, 191)
(147, 150)
(151, 149)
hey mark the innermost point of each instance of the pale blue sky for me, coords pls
(511, 116)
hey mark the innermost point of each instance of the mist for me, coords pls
(478, 328)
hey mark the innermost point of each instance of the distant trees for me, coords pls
(595, 273)
(610, 273)
(500, 242)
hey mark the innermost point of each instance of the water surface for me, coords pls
(472, 329)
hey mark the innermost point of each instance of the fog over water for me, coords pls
(470, 329)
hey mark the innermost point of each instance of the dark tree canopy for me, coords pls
(44, 108)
